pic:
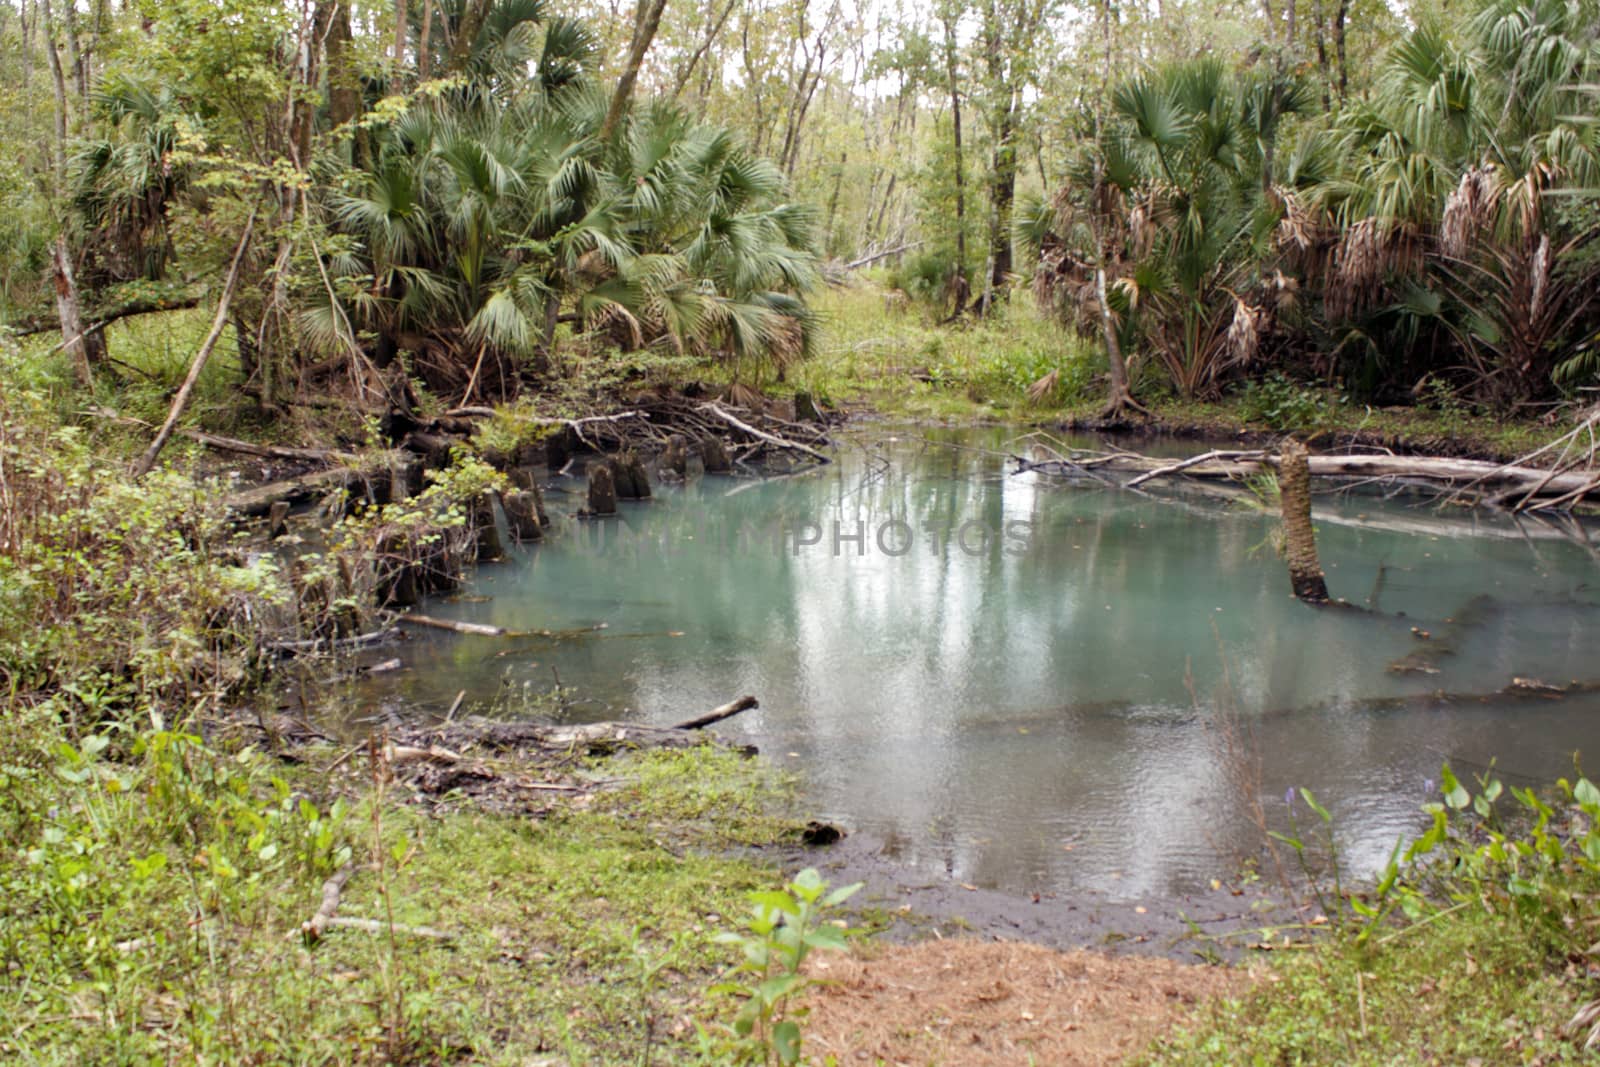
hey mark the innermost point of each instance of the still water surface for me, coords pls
(1010, 680)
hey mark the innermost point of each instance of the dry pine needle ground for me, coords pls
(965, 1003)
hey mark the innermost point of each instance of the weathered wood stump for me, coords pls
(805, 408)
(714, 456)
(1299, 539)
(483, 517)
(558, 447)
(278, 519)
(602, 490)
(631, 481)
(676, 457)
(523, 509)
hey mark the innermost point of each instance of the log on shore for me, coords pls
(257, 502)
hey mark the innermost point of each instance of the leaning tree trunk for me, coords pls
(84, 344)
(1299, 539)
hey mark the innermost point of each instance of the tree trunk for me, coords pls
(646, 20)
(80, 69)
(833, 202)
(344, 83)
(1002, 195)
(402, 32)
(960, 284)
(467, 34)
(1299, 539)
(713, 28)
(59, 84)
(423, 58)
(1338, 45)
(86, 347)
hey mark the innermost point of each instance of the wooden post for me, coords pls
(1299, 539)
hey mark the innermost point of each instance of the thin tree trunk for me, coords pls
(402, 31)
(833, 201)
(1121, 395)
(423, 57)
(80, 72)
(646, 20)
(59, 83)
(962, 287)
(1319, 17)
(712, 30)
(76, 337)
(1338, 45)
(27, 26)
(218, 323)
(344, 86)
(1299, 538)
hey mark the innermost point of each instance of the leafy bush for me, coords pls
(1282, 404)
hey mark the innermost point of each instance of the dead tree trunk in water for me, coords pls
(1299, 539)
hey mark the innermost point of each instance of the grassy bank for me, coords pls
(165, 847)
(895, 359)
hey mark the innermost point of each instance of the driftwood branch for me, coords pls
(475, 628)
(253, 503)
(762, 435)
(727, 711)
(294, 648)
(1546, 489)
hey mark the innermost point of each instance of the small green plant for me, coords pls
(1281, 404)
(785, 925)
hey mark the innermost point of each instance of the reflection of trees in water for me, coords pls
(906, 681)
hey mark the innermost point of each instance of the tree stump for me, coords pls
(631, 481)
(714, 456)
(278, 519)
(676, 457)
(602, 490)
(489, 544)
(558, 449)
(805, 408)
(1299, 539)
(522, 515)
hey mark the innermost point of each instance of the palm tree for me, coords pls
(1184, 198)
(1459, 203)
(488, 216)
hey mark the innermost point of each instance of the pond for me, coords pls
(1012, 680)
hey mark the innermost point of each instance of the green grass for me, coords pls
(589, 933)
(901, 362)
(1471, 987)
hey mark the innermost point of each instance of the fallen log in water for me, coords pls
(1484, 480)
(456, 626)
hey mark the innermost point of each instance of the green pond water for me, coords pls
(1009, 679)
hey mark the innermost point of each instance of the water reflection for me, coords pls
(1018, 693)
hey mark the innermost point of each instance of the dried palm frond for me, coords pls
(1297, 228)
(1587, 1018)
(1244, 333)
(1044, 387)
(1539, 270)
(1469, 209)
(743, 396)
